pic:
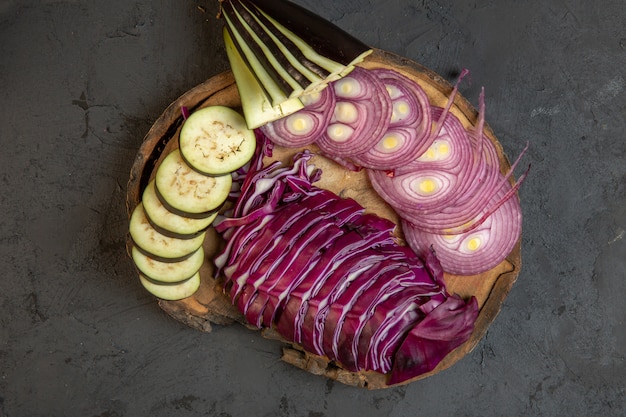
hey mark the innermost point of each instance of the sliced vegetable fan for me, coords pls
(279, 51)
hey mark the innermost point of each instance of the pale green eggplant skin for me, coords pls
(289, 51)
(257, 107)
(171, 291)
(325, 37)
(261, 44)
(215, 141)
(168, 272)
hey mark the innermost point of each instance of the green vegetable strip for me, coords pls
(288, 48)
(325, 38)
(328, 64)
(241, 60)
(291, 64)
(278, 90)
(275, 56)
(254, 99)
(287, 61)
(287, 76)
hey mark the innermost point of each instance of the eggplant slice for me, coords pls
(288, 52)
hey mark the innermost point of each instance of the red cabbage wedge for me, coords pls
(304, 261)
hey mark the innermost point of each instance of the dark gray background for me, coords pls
(81, 82)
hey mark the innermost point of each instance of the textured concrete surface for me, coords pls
(82, 82)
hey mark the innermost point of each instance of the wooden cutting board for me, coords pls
(209, 305)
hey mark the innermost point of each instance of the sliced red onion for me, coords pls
(394, 149)
(446, 110)
(478, 250)
(361, 115)
(450, 150)
(298, 129)
(411, 106)
(431, 181)
(445, 189)
(470, 212)
(304, 126)
(409, 132)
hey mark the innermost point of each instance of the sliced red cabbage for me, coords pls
(426, 290)
(392, 320)
(389, 272)
(275, 296)
(304, 272)
(276, 290)
(300, 241)
(290, 320)
(441, 331)
(314, 320)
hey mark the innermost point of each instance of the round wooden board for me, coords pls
(209, 305)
